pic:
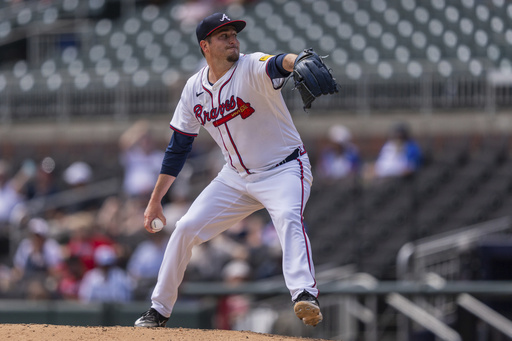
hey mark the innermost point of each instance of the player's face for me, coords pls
(224, 44)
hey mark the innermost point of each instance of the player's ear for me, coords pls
(204, 46)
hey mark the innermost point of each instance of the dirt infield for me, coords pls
(46, 332)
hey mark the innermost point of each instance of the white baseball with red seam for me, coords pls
(157, 225)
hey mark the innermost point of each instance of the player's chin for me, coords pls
(233, 56)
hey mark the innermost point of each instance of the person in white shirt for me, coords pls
(106, 282)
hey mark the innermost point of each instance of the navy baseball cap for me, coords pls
(215, 21)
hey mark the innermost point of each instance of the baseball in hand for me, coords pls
(157, 225)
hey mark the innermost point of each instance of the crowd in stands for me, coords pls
(97, 250)
(339, 158)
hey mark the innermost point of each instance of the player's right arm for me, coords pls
(174, 159)
(175, 156)
(154, 208)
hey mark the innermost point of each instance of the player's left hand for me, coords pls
(312, 77)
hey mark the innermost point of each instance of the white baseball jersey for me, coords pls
(243, 112)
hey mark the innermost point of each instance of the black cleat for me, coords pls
(307, 309)
(151, 319)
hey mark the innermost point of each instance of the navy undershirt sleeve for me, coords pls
(275, 67)
(176, 153)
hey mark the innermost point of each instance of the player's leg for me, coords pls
(217, 208)
(284, 194)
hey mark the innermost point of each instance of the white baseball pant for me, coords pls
(229, 198)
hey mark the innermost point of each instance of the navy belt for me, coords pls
(294, 155)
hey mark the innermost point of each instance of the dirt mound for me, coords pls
(46, 332)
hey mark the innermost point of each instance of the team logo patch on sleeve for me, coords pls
(266, 57)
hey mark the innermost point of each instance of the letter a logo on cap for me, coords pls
(224, 16)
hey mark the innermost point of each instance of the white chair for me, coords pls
(171, 37)
(170, 77)
(349, 7)
(374, 30)
(402, 54)
(327, 44)
(130, 65)
(54, 82)
(140, 78)
(160, 64)
(405, 28)
(82, 80)
(385, 70)
(5, 29)
(117, 39)
(27, 82)
(131, 26)
(264, 9)
(20, 69)
(48, 68)
(70, 5)
(96, 53)
(103, 66)
(124, 52)
(292, 8)
(152, 51)
(24, 16)
(103, 27)
(111, 79)
(160, 25)
(144, 38)
(150, 13)
(361, 18)
(50, 15)
(75, 67)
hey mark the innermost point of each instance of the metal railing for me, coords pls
(63, 97)
(360, 298)
(434, 259)
(422, 317)
(440, 254)
(486, 314)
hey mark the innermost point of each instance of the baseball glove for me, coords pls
(312, 77)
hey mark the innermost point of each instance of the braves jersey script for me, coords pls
(243, 111)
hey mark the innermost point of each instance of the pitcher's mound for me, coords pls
(46, 332)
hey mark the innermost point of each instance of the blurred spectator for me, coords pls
(108, 214)
(121, 217)
(144, 263)
(399, 156)
(233, 309)
(85, 238)
(106, 282)
(340, 157)
(78, 173)
(72, 274)
(264, 253)
(192, 11)
(141, 160)
(44, 182)
(179, 201)
(12, 189)
(6, 281)
(209, 258)
(37, 259)
(38, 253)
(77, 176)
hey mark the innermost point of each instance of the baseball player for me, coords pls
(237, 99)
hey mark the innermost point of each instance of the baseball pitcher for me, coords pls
(237, 99)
